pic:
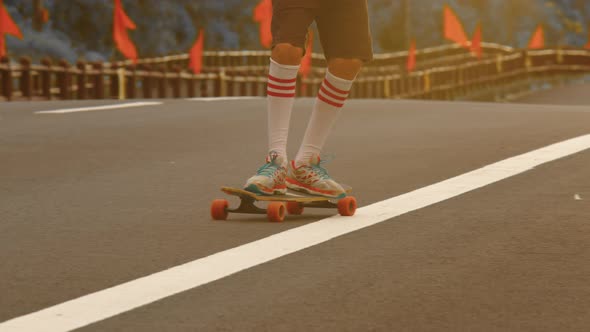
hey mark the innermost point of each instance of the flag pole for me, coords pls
(37, 16)
(405, 8)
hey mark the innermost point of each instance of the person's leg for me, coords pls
(330, 99)
(291, 18)
(345, 36)
(345, 68)
(284, 65)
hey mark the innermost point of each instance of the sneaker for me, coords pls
(270, 178)
(313, 179)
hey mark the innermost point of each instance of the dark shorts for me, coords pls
(343, 26)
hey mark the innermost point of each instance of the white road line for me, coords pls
(100, 108)
(224, 98)
(112, 301)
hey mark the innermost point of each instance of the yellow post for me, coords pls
(121, 76)
(427, 81)
(499, 66)
(559, 56)
(386, 88)
(223, 85)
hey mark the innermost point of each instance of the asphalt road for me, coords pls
(91, 200)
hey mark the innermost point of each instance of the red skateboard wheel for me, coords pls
(295, 208)
(347, 206)
(219, 209)
(276, 211)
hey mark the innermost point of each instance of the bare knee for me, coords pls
(345, 68)
(287, 54)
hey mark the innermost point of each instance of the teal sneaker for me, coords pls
(313, 179)
(270, 178)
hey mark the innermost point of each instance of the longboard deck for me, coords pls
(290, 196)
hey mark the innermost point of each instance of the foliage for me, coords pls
(82, 29)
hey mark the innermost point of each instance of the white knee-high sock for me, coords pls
(280, 97)
(331, 97)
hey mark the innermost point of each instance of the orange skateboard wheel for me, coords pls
(276, 211)
(347, 206)
(295, 208)
(219, 209)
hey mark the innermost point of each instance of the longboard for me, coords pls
(293, 202)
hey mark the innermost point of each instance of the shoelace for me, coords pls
(267, 169)
(319, 170)
(270, 167)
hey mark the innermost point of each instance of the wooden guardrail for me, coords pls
(447, 72)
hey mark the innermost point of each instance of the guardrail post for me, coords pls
(46, 78)
(162, 82)
(243, 89)
(426, 82)
(401, 85)
(6, 73)
(209, 84)
(387, 88)
(131, 82)
(114, 81)
(176, 81)
(190, 86)
(559, 55)
(461, 81)
(26, 78)
(499, 63)
(409, 85)
(527, 60)
(243, 85)
(396, 86)
(222, 81)
(81, 80)
(231, 84)
(64, 80)
(98, 80)
(374, 88)
(528, 64)
(258, 90)
(122, 94)
(147, 81)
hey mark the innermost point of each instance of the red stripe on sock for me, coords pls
(328, 101)
(280, 80)
(280, 95)
(329, 85)
(280, 87)
(329, 94)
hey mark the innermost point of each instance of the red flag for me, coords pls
(263, 15)
(196, 54)
(411, 64)
(305, 67)
(122, 22)
(476, 42)
(7, 26)
(44, 15)
(538, 38)
(453, 29)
